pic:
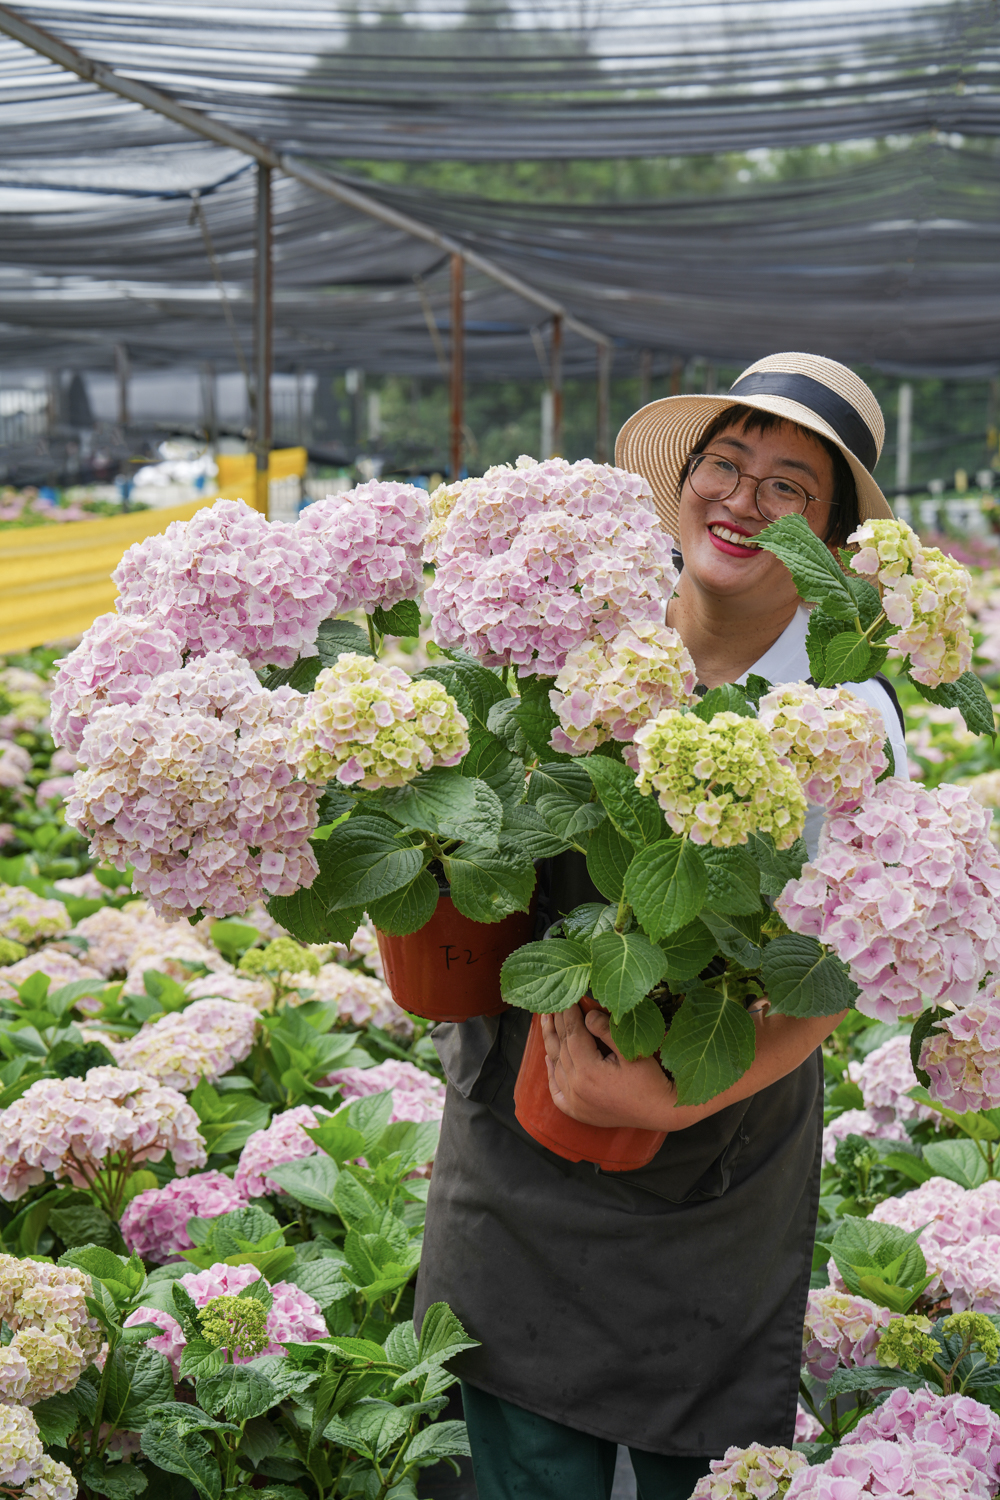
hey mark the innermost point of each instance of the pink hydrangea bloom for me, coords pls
(155, 1222)
(954, 1424)
(72, 1127)
(15, 763)
(840, 1329)
(54, 787)
(857, 1122)
(62, 968)
(833, 739)
(28, 918)
(294, 1317)
(283, 1140)
(536, 560)
(754, 1473)
(416, 1095)
(21, 1451)
(896, 1470)
(369, 725)
(360, 999)
(183, 783)
(205, 1040)
(907, 892)
(807, 1428)
(114, 663)
(606, 691)
(925, 593)
(230, 580)
(372, 538)
(113, 935)
(884, 1078)
(174, 951)
(963, 1059)
(970, 1275)
(224, 986)
(947, 1211)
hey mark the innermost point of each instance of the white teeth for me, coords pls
(731, 536)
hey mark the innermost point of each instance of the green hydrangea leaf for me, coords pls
(709, 1046)
(547, 976)
(666, 885)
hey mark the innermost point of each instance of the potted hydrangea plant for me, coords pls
(695, 844)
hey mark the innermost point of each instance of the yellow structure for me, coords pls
(55, 580)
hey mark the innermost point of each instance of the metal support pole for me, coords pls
(122, 372)
(555, 367)
(262, 336)
(903, 429)
(645, 375)
(209, 418)
(457, 365)
(603, 403)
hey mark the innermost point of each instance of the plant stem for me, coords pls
(372, 637)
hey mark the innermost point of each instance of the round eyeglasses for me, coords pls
(713, 477)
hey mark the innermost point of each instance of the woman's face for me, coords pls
(729, 565)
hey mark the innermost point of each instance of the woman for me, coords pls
(661, 1308)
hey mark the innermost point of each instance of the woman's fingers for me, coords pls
(599, 1025)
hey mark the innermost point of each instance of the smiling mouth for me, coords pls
(725, 535)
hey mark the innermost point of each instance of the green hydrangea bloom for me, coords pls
(721, 781)
(281, 956)
(238, 1324)
(10, 951)
(907, 1344)
(974, 1328)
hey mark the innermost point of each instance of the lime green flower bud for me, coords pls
(974, 1328)
(238, 1324)
(907, 1344)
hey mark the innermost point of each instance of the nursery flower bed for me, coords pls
(216, 1125)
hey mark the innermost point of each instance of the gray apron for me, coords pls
(660, 1308)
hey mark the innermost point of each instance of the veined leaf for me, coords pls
(666, 885)
(738, 937)
(626, 966)
(688, 951)
(727, 698)
(777, 866)
(335, 637)
(640, 1031)
(815, 573)
(446, 803)
(636, 816)
(847, 659)
(547, 976)
(709, 1046)
(609, 854)
(361, 860)
(408, 909)
(536, 716)
(968, 695)
(802, 979)
(489, 884)
(402, 619)
(733, 881)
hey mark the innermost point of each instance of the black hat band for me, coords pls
(838, 414)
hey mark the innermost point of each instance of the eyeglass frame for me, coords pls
(741, 475)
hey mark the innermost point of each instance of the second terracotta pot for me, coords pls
(615, 1149)
(450, 969)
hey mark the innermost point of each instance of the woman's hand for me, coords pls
(597, 1086)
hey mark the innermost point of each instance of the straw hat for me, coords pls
(813, 392)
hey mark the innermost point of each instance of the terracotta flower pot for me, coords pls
(615, 1149)
(450, 969)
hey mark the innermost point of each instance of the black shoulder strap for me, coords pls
(884, 682)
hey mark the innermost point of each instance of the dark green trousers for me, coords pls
(518, 1455)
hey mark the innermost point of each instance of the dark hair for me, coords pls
(844, 516)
